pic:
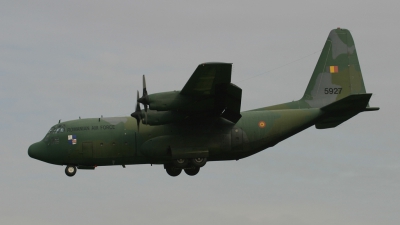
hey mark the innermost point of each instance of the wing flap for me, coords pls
(230, 100)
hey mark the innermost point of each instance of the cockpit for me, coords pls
(59, 128)
(42, 150)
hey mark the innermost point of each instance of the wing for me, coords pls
(208, 92)
(206, 78)
(212, 83)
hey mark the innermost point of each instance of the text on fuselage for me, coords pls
(87, 128)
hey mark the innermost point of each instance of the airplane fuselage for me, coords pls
(118, 141)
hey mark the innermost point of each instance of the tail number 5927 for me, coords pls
(330, 91)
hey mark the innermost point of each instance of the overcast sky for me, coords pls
(65, 59)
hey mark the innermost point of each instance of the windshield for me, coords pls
(59, 128)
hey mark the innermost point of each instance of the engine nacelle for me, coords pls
(161, 117)
(166, 101)
(173, 100)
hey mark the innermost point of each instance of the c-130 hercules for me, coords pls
(184, 129)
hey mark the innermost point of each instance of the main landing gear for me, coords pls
(70, 170)
(191, 166)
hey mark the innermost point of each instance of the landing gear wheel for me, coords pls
(173, 172)
(180, 163)
(70, 170)
(199, 162)
(192, 171)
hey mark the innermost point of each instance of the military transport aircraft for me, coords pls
(184, 129)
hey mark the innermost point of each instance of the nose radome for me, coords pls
(35, 149)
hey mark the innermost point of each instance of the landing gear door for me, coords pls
(237, 139)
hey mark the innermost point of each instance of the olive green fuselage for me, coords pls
(202, 122)
(119, 141)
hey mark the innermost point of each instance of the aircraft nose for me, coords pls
(34, 151)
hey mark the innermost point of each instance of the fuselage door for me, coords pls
(87, 150)
(237, 139)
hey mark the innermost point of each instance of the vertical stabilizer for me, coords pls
(337, 73)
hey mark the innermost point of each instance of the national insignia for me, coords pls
(72, 139)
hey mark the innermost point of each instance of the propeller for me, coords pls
(145, 97)
(138, 112)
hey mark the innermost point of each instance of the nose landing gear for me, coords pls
(70, 170)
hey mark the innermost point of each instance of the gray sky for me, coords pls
(65, 59)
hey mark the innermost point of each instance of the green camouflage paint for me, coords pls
(192, 124)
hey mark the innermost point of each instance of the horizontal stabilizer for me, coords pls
(351, 102)
(334, 120)
(371, 109)
(344, 109)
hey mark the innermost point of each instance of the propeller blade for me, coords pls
(144, 99)
(138, 112)
(137, 103)
(144, 86)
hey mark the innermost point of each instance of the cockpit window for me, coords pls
(60, 128)
(51, 130)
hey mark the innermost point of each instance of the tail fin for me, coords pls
(337, 73)
(336, 76)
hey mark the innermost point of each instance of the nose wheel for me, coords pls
(70, 170)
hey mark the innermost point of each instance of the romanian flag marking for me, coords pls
(333, 69)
